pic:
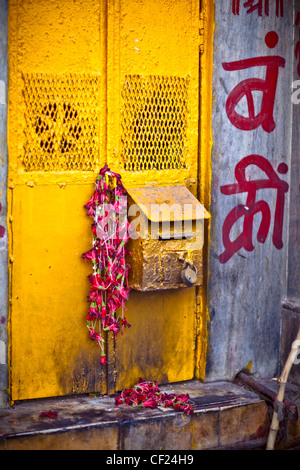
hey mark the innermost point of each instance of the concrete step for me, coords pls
(225, 416)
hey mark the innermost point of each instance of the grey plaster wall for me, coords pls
(3, 212)
(246, 291)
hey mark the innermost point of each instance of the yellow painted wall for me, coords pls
(50, 351)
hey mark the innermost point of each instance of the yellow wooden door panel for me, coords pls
(153, 129)
(57, 143)
(153, 90)
(51, 352)
(160, 343)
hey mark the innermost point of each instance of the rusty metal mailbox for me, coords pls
(167, 244)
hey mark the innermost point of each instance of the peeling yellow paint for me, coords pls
(204, 182)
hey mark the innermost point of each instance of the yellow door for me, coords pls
(94, 82)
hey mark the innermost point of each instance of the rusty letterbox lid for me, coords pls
(168, 203)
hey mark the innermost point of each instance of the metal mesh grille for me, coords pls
(154, 123)
(62, 122)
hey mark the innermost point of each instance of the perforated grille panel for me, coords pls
(62, 122)
(154, 123)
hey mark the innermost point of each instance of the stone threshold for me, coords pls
(225, 416)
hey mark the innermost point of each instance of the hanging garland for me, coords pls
(109, 288)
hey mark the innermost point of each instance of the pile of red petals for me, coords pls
(49, 414)
(147, 394)
(109, 288)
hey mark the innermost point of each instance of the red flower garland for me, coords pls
(109, 281)
(147, 394)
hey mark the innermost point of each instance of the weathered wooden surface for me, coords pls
(245, 292)
(294, 209)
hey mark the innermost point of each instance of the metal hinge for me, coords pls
(201, 32)
(198, 304)
(198, 308)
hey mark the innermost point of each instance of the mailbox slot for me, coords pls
(176, 236)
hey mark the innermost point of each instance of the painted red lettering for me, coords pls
(245, 89)
(252, 7)
(297, 48)
(279, 8)
(236, 7)
(2, 229)
(262, 7)
(252, 207)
